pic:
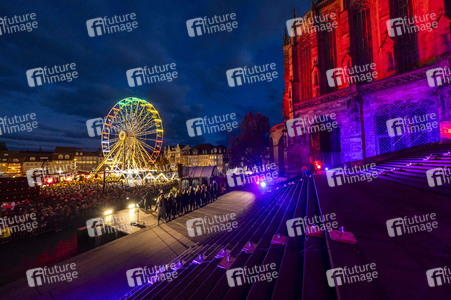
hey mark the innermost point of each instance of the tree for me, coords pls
(162, 161)
(249, 147)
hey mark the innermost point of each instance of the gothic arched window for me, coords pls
(406, 44)
(360, 31)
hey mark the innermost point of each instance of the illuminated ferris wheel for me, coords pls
(132, 137)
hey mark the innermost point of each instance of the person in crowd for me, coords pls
(145, 202)
(204, 195)
(192, 199)
(201, 196)
(157, 203)
(215, 190)
(172, 205)
(169, 206)
(186, 200)
(179, 200)
(162, 208)
(198, 196)
(208, 193)
(305, 171)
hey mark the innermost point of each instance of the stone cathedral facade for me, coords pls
(379, 69)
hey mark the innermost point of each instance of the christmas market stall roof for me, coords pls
(197, 172)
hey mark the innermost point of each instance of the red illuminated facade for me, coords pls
(367, 62)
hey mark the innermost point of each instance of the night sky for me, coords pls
(201, 89)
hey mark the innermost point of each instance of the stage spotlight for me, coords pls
(131, 205)
(262, 184)
(317, 165)
(108, 212)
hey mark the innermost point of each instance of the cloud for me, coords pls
(200, 90)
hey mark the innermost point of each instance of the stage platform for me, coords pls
(102, 271)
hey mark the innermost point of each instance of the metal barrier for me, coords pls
(8, 235)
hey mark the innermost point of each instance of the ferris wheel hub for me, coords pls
(122, 135)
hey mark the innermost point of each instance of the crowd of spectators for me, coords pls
(180, 202)
(61, 204)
